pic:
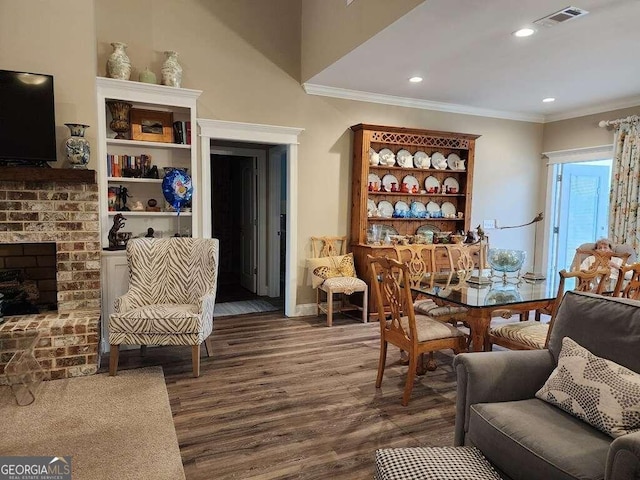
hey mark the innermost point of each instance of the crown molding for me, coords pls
(343, 93)
(599, 152)
(601, 108)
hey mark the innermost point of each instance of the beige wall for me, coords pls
(243, 82)
(56, 38)
(331, 29)
(582, 132)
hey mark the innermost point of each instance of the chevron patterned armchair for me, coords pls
(172, 292)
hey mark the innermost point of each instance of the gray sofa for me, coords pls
(527, 438)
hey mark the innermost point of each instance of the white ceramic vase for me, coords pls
(171, 70)
(118, 64)
(76, 146)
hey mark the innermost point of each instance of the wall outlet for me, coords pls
(488, 224)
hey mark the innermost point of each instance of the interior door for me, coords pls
(583, 208)
(248, 226)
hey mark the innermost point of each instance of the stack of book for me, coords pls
(128, 165)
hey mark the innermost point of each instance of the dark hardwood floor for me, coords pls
(290, 398)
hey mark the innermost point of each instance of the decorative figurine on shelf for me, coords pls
(150, 232)
(177, 188)
(152, 173)
(137, 207)
(118, 223)
(123, 194)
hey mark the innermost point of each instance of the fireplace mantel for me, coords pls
(43, 174)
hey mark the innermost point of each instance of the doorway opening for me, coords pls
(248, 203)
(580, 208)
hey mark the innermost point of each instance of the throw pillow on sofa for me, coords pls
(596, 390)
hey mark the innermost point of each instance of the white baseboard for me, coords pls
(305, 310)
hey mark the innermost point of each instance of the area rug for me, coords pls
(112, 427)
(240, 308)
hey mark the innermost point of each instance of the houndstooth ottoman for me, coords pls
(433, 463)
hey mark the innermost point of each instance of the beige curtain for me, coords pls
(624, 227)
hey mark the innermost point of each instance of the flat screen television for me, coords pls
(27, 119)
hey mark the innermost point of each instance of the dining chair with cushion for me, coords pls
(400, 326)
(333, 273)
(534, 335)
(628, 282)
(171, 296)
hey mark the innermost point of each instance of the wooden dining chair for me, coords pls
(534, 335)
(400, 326)
(628, 284)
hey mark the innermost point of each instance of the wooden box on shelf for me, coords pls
(448, 183)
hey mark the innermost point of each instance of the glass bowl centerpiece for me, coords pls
(505, 261)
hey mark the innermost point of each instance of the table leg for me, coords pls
(478, 321)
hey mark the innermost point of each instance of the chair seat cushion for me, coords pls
(346, 285)
(433, 463)
(430, 329)
(531, 333)
(160, 318)
(431, 308)
(533, 436)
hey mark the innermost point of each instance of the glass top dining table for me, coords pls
(515, 295)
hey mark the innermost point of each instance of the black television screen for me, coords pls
(27, 118)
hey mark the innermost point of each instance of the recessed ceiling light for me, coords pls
(415, 79)
(548, 100)
(524, 32)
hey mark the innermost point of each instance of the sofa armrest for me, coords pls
(623, 461)
(127, 302)
(207, 304)
(488, 377)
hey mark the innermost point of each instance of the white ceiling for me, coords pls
(471, 63)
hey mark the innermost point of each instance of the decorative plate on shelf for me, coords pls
(422, 160)
(438, 161)
(387, 157)
(412, 182)
(401, 210)
(452, 183)
(405, 159)
(388, 180)
(448, 209)
(374, 179)
(431, 184)
(386, 209)
(427, 227)
(418, 210)
(454, 162)
(433, 207)
(372, 210)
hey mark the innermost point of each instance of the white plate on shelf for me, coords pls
(454, 162)
(451, 183)
(432, 182)
(422, 160)
(448, 209)
(411, 182)
(405, 159)
(388, 180)
(373, 179)
(433, 207)
(427, 227)
(438, 161)
(386, 209)
(372, 210)
(417, 208)
(387, 157)
(401, 209)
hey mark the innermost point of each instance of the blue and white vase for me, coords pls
(77, 147)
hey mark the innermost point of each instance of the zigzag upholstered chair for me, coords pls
(172, 292)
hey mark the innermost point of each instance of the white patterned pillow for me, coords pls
(596, 390)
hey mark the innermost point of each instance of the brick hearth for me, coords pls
(65, 212)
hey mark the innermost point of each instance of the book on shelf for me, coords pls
(128, 165)
(182, 132)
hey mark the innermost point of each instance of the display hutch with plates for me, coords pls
(126, 162)
(408, 181)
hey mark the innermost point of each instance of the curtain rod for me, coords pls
(615, 123)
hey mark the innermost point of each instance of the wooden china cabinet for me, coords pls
(444, 186)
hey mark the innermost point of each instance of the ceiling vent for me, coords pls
(561, 16)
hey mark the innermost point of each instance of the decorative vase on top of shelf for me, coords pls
(77, 147)
(118, 63)
(119, 117)
(171, 70)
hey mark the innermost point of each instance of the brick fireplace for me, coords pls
(45, 205)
